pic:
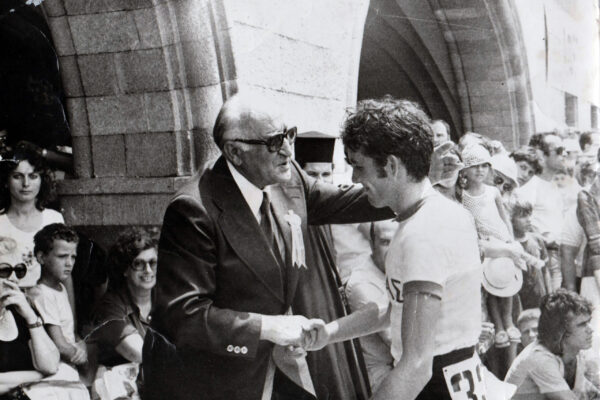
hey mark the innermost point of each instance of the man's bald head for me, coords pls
(240, 116)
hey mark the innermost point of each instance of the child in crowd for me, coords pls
(528, 325)
(56, 250)
(536, 280)
(492, 221)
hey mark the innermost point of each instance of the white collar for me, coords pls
(252, 194)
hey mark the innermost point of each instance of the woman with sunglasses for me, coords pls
(26, 188)
(123, 314)
(27, 353)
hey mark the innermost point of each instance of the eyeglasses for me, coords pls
(274, 143)
(507, 187)
(6, 270)
(560, 151)
(139, 265)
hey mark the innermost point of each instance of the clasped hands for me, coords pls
(295, 332)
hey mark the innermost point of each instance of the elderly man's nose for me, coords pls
(286, 148)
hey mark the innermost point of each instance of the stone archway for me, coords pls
(464, 61)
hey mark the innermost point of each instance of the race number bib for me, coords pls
(465, 380)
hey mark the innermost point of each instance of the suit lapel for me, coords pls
(243, 232)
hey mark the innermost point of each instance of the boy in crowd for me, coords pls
(56, 250)
(528, 325)
(536, 282)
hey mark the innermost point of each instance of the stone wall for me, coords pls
(145, 79)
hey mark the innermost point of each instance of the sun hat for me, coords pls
(506, 166)
(475, 154)
(501, 277)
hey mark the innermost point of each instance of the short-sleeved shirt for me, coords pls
(535, 372)
(25, 242)
(54, 308)
(116, 317)
(437, 242)
(15, 355)
(547, 205)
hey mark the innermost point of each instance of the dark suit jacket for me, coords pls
(216, 269)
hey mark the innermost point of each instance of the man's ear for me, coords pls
(232, 153)
(39, 256)
(392, 165)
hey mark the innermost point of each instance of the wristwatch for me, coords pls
(38, 322)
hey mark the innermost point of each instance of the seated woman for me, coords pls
(27, 354)
(123, 314)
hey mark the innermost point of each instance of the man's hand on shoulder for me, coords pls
(286, 330)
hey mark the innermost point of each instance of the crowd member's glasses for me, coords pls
(6, 270)
(274, 143)
(560, 151)
(139, 265)
(506, 186)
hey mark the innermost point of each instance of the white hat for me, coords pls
(475, 154)
(506, 166)
(501, 277)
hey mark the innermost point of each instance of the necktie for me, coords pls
(265, 219)
(267, 224)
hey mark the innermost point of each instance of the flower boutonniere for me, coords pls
(298, 252)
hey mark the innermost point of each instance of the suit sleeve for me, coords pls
(187, 284)
(331, 204)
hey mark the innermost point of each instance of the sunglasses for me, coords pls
(139, 265)
(507, 186)
(274, 143)
(6, 270)
(560, 151)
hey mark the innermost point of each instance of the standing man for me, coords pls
(441, 132)
(232, 255)
(433, 269)
(544, 195)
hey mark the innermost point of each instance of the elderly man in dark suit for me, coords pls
(231, 257)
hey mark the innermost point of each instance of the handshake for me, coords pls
(295, 332)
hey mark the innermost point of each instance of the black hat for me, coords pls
(314, 147)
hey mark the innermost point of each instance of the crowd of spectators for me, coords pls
(73, 318)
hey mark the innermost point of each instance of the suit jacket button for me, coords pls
(244, 349)
(230, 348)
(236, 349)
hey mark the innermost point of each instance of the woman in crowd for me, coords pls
(122, 316)
(26, 188)
(27, 354)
